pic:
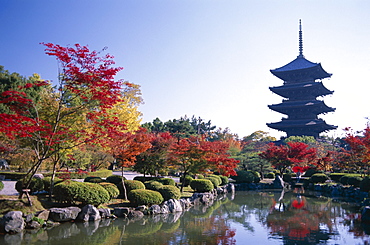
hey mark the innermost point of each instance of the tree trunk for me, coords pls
(123, 185)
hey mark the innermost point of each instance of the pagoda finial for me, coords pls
(300, 40)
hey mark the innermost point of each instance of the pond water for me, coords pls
(246, 218)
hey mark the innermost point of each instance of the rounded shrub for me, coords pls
(270, 175)
(166, 181)
(365, 184)
(310, 172)
(187, 180)
(246, 176)
(1, 185)
(344, 179)
(336, 176)
(354, 181)
(134, 185)
(318, 178)
(217, 177)
(73, 192)
(153, 185)
(215, 181)
(199, 176)
(93, 179)
(287, 177)
(115, 179)
(36, 185)
(145, 197)
(111, 188)
(169, 192)
(144, 179)
(47, 182)
(201, 185)
(224, 180)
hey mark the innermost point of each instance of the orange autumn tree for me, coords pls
(126, 146)
(195, 154)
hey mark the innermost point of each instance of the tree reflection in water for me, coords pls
(247, 218)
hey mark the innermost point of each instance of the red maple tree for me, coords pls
(285, 156)
(86, 89)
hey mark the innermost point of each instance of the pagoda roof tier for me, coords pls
(306, 106)
(299, 70)
(315, 125)
(314, 89)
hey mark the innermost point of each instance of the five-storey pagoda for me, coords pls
(302, 85)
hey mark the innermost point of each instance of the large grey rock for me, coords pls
(64, 214)
(12, 222)
(89, 213)
(105, 213)
(185, 203)
(155, 209)
(136, 215)
(121, 211)
(43, 215)
(173, 205)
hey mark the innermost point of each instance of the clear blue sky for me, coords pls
(209, 58)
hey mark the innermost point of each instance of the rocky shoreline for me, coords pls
(15, 222)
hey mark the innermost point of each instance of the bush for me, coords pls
(93, 179)
(1, 185)
(35, 185)
(270, 175)
(169, 192)
(336, 176)
(111, 188)
(115, 179)
(310, 172)
(365, 184)
(218, 177)
(224, 180)
(144, 179)
(199, 176)
(84, 192)
(248, 176)
(354, 181)
(145, 197)
(187, 180)
(344, 179)
(319, 178)
(287, 177)
(133, 185)
(153, 185)
(47, 182)
(166, 181)
(201, 185)
(215, 181)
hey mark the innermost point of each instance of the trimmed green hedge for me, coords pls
(93, 179)
(166, 181)
(248, 176)
(153, 185)
(169, 192)
(319, 178)
(36, 185)
(344, 179)
(215, 181)
(47, 182)
(365, 184)
(188, 178)
(72, 192)
(111, 188)
(1, 185)
(224, 180)
(336, 176)
(145, 197)
(115, 179)
(201, 185)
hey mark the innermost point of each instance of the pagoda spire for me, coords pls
(300, 40)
